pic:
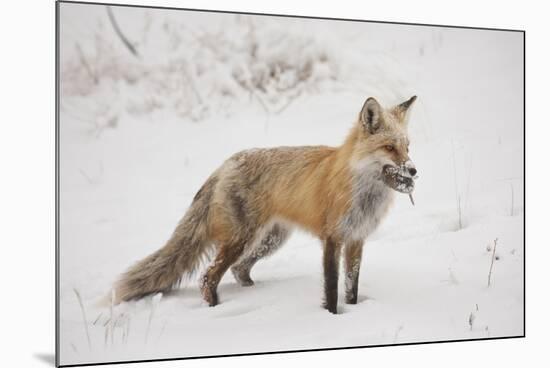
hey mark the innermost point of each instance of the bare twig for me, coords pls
(155, 300)
(290, 100)
(106, 323)
(85, 63)
(106, 337)
(252, 93)
(192, 83)
(88, 179)
(452, 278)
(112, 324)
(149, 324)
(492, 261)
(97, 319)
(128, 328)
(411, 198)
(396, 335)
(121, 35)
(73, 346)
(261, 101)
(84, 318)
(124, 321)
(162, 330)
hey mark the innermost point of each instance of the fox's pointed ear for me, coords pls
(401, 110)
(371, 115)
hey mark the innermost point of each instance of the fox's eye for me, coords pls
(389, 148)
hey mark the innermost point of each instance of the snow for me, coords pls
(128, 173)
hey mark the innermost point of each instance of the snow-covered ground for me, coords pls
(127, 178)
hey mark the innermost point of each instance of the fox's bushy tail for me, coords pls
(182, 254)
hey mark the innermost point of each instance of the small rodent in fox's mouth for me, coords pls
(394, 178)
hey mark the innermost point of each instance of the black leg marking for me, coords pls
(331, 261)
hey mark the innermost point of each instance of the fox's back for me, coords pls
(290, 183)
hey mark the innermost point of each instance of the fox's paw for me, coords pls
(242, 277)
(208, 292)
(331, 307)
(351, 298)
(210, 297)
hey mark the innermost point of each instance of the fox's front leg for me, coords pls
(331, 262)
(352, 258)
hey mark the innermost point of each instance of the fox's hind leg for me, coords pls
(228, 253)
(272, 241)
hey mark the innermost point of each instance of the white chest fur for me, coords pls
(370, 202)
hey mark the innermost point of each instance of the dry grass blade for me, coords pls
(112, 323)
(492, 262)
(84, 319)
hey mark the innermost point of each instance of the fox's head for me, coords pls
(382, 144)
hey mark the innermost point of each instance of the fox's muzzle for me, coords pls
(400, 178)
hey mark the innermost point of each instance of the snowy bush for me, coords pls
(195, 70)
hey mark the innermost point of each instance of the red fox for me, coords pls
(247, 208)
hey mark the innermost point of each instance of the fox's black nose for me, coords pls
(412, 171)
